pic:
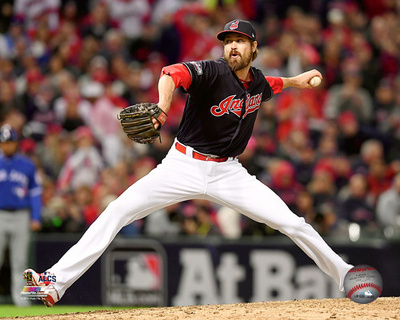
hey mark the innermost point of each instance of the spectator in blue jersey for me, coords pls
(20, 207)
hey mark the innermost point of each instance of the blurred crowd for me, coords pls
(332, 153)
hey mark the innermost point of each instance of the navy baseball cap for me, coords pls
(238, 26)
(7, 133)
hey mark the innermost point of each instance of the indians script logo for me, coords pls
(230, 104)
(234, 25)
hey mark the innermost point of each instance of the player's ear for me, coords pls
(254, 48)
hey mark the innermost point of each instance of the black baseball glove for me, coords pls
(137, 122)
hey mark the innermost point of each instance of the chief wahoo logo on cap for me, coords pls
(234, 25)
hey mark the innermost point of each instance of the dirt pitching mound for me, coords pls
(325, 309)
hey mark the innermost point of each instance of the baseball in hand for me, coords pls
(363, 284)
(315, 82)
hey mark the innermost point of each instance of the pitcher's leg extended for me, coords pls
(258, 202)
(158, 189)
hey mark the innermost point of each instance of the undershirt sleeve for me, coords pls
(276, 84)
(179, 74)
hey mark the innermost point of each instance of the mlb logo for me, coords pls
(140, 271)
(135, 275)
(144, 272)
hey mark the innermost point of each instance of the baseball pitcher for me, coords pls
(224, 97)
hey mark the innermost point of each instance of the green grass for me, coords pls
(39, 310)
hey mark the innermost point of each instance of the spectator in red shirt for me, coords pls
(379, 178)
(283, 182)
(193, 23)
(84, 201)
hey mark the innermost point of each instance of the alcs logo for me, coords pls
(47, 277)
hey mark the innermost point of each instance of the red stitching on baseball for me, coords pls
(362, 269)
(362, 286)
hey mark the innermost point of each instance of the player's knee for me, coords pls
(114, 208)
(294, 226)
(123, 209)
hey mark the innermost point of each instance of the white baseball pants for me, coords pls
(180, 177)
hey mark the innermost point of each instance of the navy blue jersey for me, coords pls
(220, 113)
(20, 185)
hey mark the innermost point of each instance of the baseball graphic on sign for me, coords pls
(363, 284)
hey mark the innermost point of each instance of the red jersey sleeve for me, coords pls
(179, 74)
(276, 84)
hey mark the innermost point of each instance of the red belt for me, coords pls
(199, 156)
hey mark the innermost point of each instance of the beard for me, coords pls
(237, 64)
